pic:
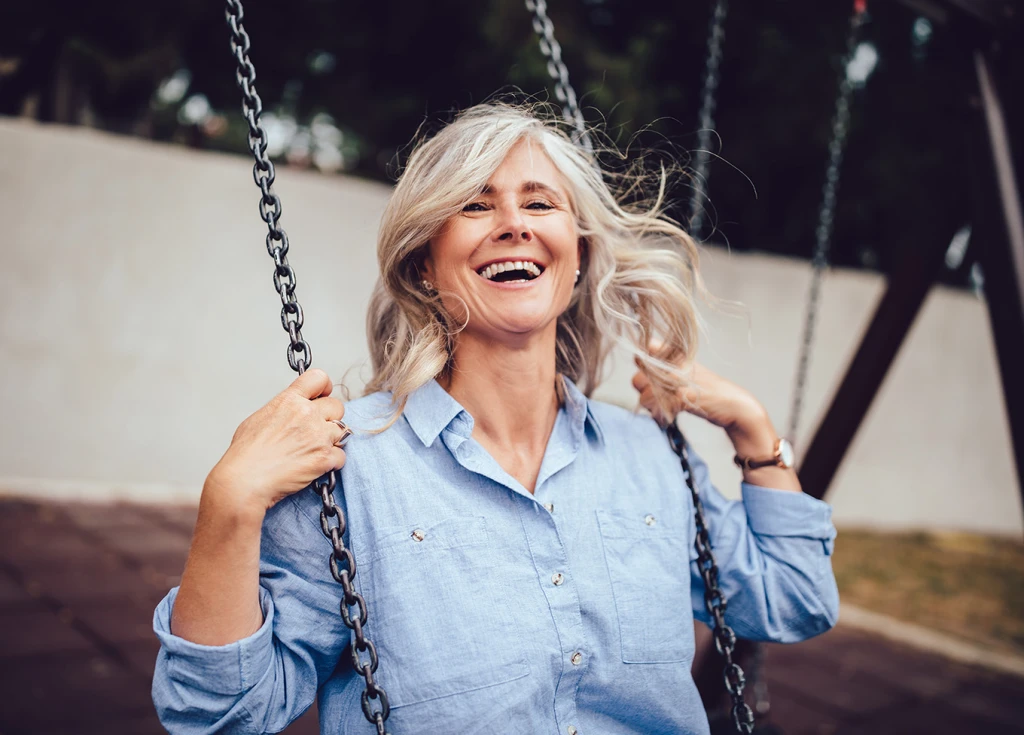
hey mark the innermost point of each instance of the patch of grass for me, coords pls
(966, 585)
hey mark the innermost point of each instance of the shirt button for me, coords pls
(576, 658)
(550, 507)
(649, 519)
(557, 578)
(571, 730)
(418, 535)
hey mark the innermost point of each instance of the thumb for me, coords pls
(654, 346)
(313, 383)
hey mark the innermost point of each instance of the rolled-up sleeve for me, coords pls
(262, 682)
(773, 550)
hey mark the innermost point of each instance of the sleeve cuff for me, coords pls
(786, 513)
(229, 669)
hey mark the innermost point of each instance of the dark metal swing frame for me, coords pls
(995, 212)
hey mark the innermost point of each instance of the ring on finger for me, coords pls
(345, 432)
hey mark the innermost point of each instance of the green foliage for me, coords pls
(637, 64)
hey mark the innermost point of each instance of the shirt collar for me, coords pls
(430, 409)
(580, 411)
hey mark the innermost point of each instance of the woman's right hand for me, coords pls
(282, 447)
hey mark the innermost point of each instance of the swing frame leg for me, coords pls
(996, 216)
(909, 283)
(998, 230)
(999, 240)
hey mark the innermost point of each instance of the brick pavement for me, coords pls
(78, 584)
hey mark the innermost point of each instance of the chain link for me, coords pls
(341, 561)
(716, 35)
(714, 600)
(826, 217)
(564, 91)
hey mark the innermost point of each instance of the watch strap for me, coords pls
(747, 463)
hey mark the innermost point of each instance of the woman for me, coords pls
(522, 549)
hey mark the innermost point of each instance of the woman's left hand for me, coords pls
(729, 406)
(709, 396)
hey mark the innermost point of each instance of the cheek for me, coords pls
(451, 251)
(561, 234)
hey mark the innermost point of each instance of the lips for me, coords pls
(511, 271)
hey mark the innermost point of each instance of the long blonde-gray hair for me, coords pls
(639, 278)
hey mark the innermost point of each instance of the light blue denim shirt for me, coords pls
(499, 611)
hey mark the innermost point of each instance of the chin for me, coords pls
(519, 327)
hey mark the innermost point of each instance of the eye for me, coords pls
(541, 205)
(475, 207)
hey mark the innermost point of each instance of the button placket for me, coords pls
(551, 561)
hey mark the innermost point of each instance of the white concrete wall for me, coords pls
(140, 326)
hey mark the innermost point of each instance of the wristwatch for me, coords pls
(782, 457)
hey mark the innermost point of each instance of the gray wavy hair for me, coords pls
(639, 275)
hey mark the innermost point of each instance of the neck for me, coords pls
(508, 389)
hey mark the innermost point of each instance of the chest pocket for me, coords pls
(440, 616)
(649, 566)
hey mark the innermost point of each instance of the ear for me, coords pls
(427, 266)
(581, 252)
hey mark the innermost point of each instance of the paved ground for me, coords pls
(78, 584)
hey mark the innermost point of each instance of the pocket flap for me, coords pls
(418, 538)
(644, 523)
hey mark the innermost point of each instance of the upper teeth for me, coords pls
(510, 265)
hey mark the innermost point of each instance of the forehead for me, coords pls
(527, 162)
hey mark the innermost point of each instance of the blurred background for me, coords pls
(140, 325)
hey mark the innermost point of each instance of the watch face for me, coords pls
(786, 453)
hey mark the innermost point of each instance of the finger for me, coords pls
(655, 346)
(337, 458)
(647, 400)
(329, 408)
(641, 381)
(639, 362)
(314, 383)
(336, 434)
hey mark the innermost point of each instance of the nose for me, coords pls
(512, 226)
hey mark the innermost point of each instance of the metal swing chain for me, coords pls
(342, 563)
(716, 35)
(714, 599)
(564, 91)
(826, 214)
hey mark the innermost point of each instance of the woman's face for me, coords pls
(512, 253)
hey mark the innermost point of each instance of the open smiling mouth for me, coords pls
(511, 271)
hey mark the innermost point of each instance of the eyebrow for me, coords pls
(527, 188)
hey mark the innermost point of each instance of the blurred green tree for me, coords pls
(383, 70)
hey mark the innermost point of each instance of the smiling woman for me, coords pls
(504, 184)
(506, 262)
(527, 554)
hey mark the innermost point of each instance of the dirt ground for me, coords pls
(78, 585)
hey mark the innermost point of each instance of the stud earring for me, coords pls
(427, 285)
(577, 276)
